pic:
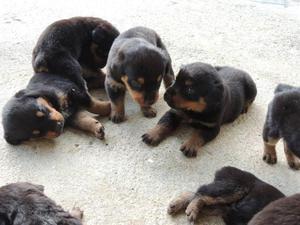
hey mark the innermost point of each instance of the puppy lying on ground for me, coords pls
(138, 62)
(205, 97)
(67, 52)
(234, 194)
(283, 121)
(285, 211)
(26, 204)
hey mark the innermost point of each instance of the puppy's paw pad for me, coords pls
(99, 131)
(270, 158)
(151, 138)
(77, 213)
(149, 112)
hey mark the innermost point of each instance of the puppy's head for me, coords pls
(143, 67)
(197, 88)
(103, 37)
(26, 117)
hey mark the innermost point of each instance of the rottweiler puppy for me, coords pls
(283, 121)
(49, 102)
(234, 194)
(138, 61)
(76, 48)
(205, 97)
(67, 52)
(26, 204)
(284, 211)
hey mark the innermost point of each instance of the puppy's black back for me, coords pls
(241, 91)
(26, 204)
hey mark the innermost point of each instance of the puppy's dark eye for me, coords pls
(135, 85)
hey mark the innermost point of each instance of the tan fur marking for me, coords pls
(137, 96)
(35, 132)
(197, 106)
(51, 134)
(40, 114)
(291, 158)
(54, 114)
(159, 78)
(102, 108)
(141, 80)
(41, 69)
(188, 82)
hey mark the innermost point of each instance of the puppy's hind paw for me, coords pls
(99, 131)
(270, 158)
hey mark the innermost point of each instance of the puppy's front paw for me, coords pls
(192, 212)
(270, 158)
(116, 117)
(149, 112)
(191, 147)
(99, 131)
(151, 138)
(180, 203)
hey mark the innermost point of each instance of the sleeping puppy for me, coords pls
(205, 97)
(57, 94)
(138, 61)
(283, 121)
(26, 204)
(76, 48)
(285, 211)
(234, 194)
(49, 102)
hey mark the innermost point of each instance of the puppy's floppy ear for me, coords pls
(104, 34)
(117, 65)
(20, 93)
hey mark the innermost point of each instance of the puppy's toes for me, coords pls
(192, 213)
(117, 118)
(295, 165)
(151, 139)
(77, 213)
(99, 131)
(189, 150)
(180, 203)
(149, 112)
(270, 158)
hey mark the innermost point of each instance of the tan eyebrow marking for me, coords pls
(141, 80)
(36, 132)
(188, 82)
(40, 114)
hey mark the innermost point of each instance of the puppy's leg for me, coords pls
(197, 140)
(291, 158)
(213, 195)
(84, 121)
(165, 126)
(116, 94)
(148, 111)
(95, 78)
(180, 203)
(169, 76)
(270, 138)
(102, 108)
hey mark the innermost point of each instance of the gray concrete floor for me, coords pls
(123, 181)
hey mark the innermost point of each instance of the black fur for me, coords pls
(285, 211)
(137, 53)
(234, 194)
(26, 204)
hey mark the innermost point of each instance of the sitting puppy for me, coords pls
(138, 61)
(234, 194)
(285, 211)
(283, 121)
(205, 97)
(57, 92)
(26, 204)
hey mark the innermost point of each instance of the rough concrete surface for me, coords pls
(121, 180)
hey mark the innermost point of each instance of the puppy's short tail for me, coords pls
(39, 63)
(282, 87)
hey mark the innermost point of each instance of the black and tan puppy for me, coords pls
(283, 121)
(67, 52)
(26, 204)
(234, 194)
(205, 97)
(284, 211)
(76, 48)
(138, 61)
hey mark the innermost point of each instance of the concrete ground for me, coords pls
(121, 180)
